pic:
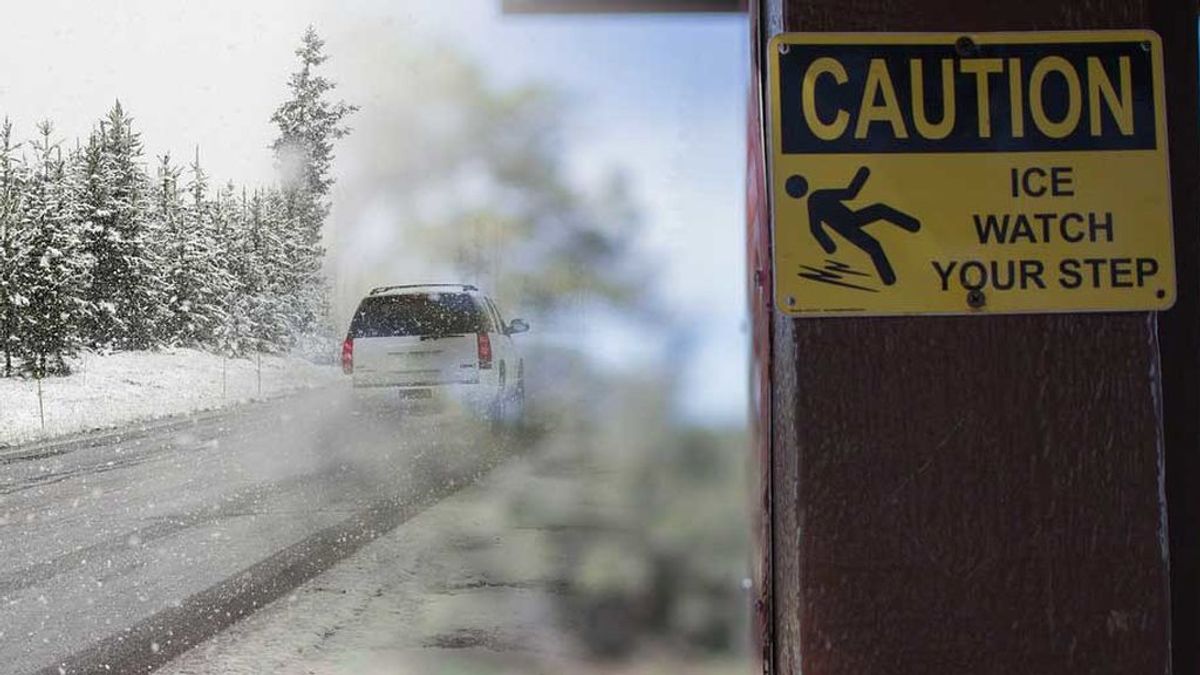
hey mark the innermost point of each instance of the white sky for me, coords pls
(663, 97)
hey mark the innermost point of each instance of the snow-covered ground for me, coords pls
(465, 588)
(119, 389)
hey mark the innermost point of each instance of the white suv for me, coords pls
(433, 347)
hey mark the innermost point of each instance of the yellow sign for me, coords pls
(947, 174)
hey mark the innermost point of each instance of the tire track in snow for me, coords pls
(159, 638)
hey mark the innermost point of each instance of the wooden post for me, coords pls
(41, 400)
(981, 494)
(1179, 335)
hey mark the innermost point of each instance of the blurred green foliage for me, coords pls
(475, 183)
(653, 534)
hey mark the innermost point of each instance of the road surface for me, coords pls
(124, 552)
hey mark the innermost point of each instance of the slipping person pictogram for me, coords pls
(827, 208)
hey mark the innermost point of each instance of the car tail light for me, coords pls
(485, 351)
(348, 355)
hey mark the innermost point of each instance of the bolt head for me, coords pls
(976, 298)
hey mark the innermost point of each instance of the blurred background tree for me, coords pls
(475, 188)
(475, 185)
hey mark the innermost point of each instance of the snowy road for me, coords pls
(165, 537)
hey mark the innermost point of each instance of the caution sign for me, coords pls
(946, 174)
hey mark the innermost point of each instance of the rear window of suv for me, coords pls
(418, 314)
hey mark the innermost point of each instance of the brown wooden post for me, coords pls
(982, 494)
(758, 269)
(1179, 334)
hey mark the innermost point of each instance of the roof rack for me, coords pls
(384, 289)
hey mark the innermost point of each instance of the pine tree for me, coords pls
(12, 244)
(124, 291)
(93, 251)
(98, 241)
(191, 265)
(236, 333)
(54, 268)
(308, 125)
(177, 273)
(231, 334)
(212, 248)
(284, 267)
(266, 257)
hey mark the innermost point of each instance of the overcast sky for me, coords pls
(663, 97)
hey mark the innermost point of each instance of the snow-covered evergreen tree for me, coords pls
(308, 125)
(125, 291)
(232, 332)
(234, 335)
(213, 243)
(191, 266)
(13, 244)
(94, 251)
(270, 309)
(99, 242)
(293, 278)
(166, 212)
(54, 269)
